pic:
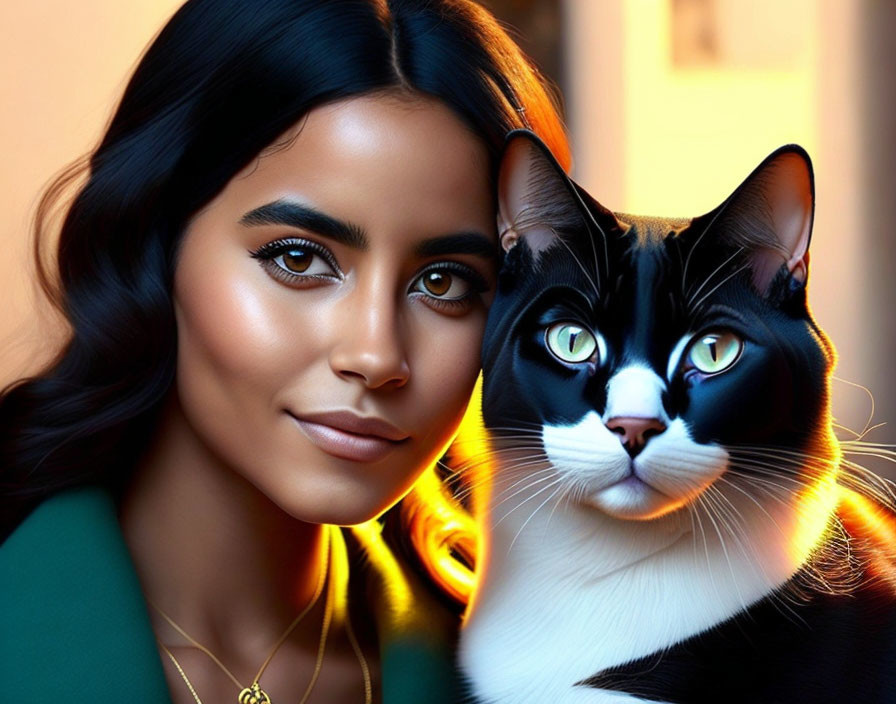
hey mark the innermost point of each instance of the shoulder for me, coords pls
(70, 594)
(74, 535)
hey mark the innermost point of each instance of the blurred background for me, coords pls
(670, 104)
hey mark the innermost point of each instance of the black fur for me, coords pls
(831, 648)
(644, 283)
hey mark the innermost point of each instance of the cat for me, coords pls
(661, 518)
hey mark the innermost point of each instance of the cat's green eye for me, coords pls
(715, 351)
(571, 343)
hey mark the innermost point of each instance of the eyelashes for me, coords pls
(448, 286)
(293, 261)
(297, 261)
(440, 279)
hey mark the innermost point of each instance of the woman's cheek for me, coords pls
(453, 366)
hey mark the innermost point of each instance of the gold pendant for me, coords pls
(254, 695)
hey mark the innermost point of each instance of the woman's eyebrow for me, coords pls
(459, 243)
(292, 214)
(286, 212)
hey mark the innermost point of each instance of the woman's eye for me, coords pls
(572, 343)
(450, 287)
(715, 352)
(297, 260)
(443, 284)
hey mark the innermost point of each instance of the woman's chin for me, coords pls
(345, 516)
(331, 508)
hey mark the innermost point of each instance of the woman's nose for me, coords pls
(370, 345)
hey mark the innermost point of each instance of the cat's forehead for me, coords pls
(646, 231)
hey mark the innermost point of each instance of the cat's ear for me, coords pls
(537, 203)
(770, 215)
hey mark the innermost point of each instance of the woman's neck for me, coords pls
(220, 558)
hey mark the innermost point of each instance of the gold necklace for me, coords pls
(254, 694)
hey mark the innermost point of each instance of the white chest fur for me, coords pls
(567, 593)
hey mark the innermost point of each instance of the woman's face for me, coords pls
(330, 304)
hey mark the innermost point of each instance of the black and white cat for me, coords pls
(664, 474)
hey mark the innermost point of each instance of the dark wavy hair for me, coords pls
(220, 82)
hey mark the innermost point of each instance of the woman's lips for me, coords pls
(340, 434)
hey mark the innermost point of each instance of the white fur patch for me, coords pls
(567, 591)
(675, 357)
(636, 392)
(587, 451)
(670, 471)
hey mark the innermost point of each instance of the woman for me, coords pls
(277, 275)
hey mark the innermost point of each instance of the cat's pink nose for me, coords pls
(635, 432)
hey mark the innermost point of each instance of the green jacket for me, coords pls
(75, 627)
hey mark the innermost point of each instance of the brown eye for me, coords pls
(437, 283)
(297, 260)
(444, 285)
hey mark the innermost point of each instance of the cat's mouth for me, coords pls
(635, 483)
(643, 494)
(670, 472)
(632, 498)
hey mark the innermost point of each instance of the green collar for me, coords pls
(70, 595)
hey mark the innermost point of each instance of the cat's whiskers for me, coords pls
(709, 503)
(876, 454)
(859, 435)
(851, 474)
(478, 457)
(885, 448)
(694, 511)
(548, 473)
(691, 509)
(787, 497)
(594, 252)
(799, 476)
(565, 498)
(694, 308)
(771, 483)
(800, 462)
(827, 551)
(864, 388)
(520, 424)
(517, 464)
(761, 468)
(482, 457)
(530, 216)
(590, 216)
(730, 482)
(532, 515)
(699, 510)
(687, 261)
(557, 480)
(489, 479)
(594, 284)
(691, 297)
(527, 474)
(742, 534)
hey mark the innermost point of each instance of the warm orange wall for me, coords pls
(62, 67)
